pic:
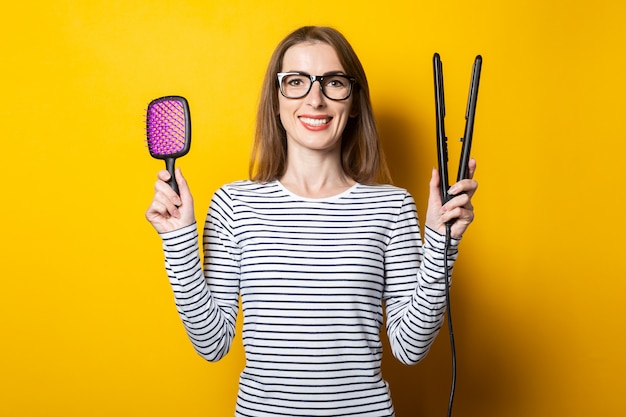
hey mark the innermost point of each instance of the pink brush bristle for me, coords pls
(166, 127)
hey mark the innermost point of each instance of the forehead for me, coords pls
(312, 57)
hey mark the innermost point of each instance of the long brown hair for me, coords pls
(361, 153)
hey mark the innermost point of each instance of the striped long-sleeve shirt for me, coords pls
(313, 277)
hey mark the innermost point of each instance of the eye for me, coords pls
(296, 80)
(336, 81)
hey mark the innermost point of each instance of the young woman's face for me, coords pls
(314, 122)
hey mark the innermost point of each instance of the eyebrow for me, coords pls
(335, 72)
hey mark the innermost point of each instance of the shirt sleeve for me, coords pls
(206, 298)
(415, 285)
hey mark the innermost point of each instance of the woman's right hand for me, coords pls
(169, 211)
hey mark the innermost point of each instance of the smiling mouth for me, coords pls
(315, 122)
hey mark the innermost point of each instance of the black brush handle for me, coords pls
(169, 165)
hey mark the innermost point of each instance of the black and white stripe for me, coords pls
(312, 275)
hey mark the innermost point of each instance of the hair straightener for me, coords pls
(463, 171)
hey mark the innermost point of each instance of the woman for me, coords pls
(312, 245)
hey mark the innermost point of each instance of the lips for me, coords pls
(315, 122)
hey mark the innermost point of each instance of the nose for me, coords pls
(316, 98)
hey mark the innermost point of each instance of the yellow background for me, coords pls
(87, 318)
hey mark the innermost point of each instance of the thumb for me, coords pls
(433, 214)
(434, 199)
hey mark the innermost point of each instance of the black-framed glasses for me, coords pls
(298, 85)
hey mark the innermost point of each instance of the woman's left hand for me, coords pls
(458, 210)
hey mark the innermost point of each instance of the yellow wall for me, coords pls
(87, 318)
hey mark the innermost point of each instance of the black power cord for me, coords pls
(449, 313)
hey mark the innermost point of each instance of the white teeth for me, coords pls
(314, 122)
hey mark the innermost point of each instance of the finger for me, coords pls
(470, 187)
(453, 213)
(163, 187)
(460, 219)
(467, 186)
(458, 229)
(164, 175)
(460, 200)
(157, 211)
(167, 198)
(158, 215)
(472, 167)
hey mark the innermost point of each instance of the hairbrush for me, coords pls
(168, 131)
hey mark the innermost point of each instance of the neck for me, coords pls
(315, 177)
